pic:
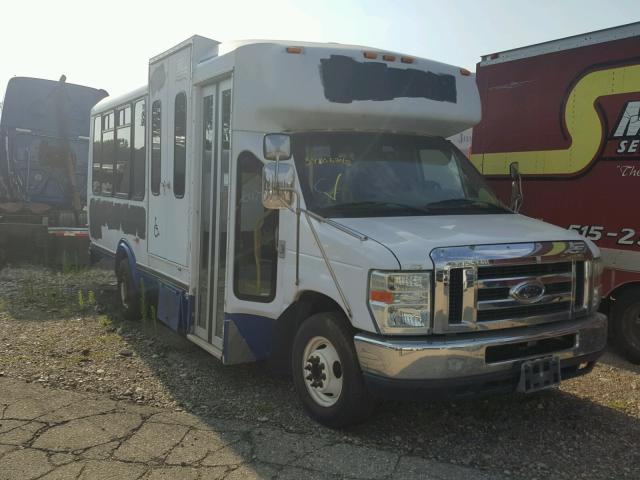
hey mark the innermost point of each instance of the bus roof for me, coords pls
(326, 86)
(111, 102)
(229, 46)
(301, 86)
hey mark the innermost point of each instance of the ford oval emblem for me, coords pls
(528, 292)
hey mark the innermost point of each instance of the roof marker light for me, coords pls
(389, 58)
(406, 59)
(370, 55)
(465, 72)
(294, 49)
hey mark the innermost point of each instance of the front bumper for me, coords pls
(480, 358)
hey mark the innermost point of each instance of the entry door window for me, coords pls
(180, 144)
(223, 181)
(207, 241)
(156, 130)
(256, 235)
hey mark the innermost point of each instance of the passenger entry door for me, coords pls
(168, 224)
(214, 127)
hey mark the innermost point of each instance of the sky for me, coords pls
(108, 44)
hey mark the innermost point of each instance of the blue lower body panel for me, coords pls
(247, 338)
(174, 307)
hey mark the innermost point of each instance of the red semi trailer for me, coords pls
(567, 111)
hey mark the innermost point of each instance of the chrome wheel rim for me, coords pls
(322, 371)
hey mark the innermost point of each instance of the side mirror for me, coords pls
(516, 187)
(277, 186)
(277, 146)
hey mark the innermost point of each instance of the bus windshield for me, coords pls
(382, 175)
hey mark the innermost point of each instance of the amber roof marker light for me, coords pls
(389, 58)
(370, 55)
(407, 59)
(465, 72)
(294, 50)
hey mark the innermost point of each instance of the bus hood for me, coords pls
(411, 239)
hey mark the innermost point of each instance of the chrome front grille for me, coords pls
(495, 286)
(502, 286)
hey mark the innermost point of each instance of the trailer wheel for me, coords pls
(626, 324)
(327, 374)
(129, 300)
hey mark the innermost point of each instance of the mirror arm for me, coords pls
(517, 196)
(297, 211)
(347, 307)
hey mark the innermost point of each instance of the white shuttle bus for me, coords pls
(298, 203)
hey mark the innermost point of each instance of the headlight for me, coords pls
(400, 301)
(596, 281)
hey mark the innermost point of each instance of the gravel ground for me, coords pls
(63, 330)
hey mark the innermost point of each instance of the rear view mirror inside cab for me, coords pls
(435, 156)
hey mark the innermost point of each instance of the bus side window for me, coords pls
(108, 153)
(121, 177)
(155, 147)
(256, 236)
(139, 151)
(179, 144)
(96, 172)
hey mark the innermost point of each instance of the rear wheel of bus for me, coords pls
(129, 301)
(626, 324)
(327, 374)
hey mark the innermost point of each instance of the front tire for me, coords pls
(626, 324)
(327, 374)
(129, 299)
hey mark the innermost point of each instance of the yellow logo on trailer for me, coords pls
(583, 124)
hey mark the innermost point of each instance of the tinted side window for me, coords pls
(139, 151)
(108, 153)
(155, 147)
(95, 152)
(179, 144)
(226, 119)
(122, 172)
(256, 253)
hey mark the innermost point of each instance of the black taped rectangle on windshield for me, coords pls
(346, 80)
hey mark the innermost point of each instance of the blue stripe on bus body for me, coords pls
(246, 337)
(256, 334)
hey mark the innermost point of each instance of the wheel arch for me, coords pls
(124, 251)
(307, 303)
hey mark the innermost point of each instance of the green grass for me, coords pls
(104, 321)
(617, 404)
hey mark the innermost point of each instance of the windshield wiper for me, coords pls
(465, 202)
(341, 207)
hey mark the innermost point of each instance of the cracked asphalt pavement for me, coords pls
(53, 434)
